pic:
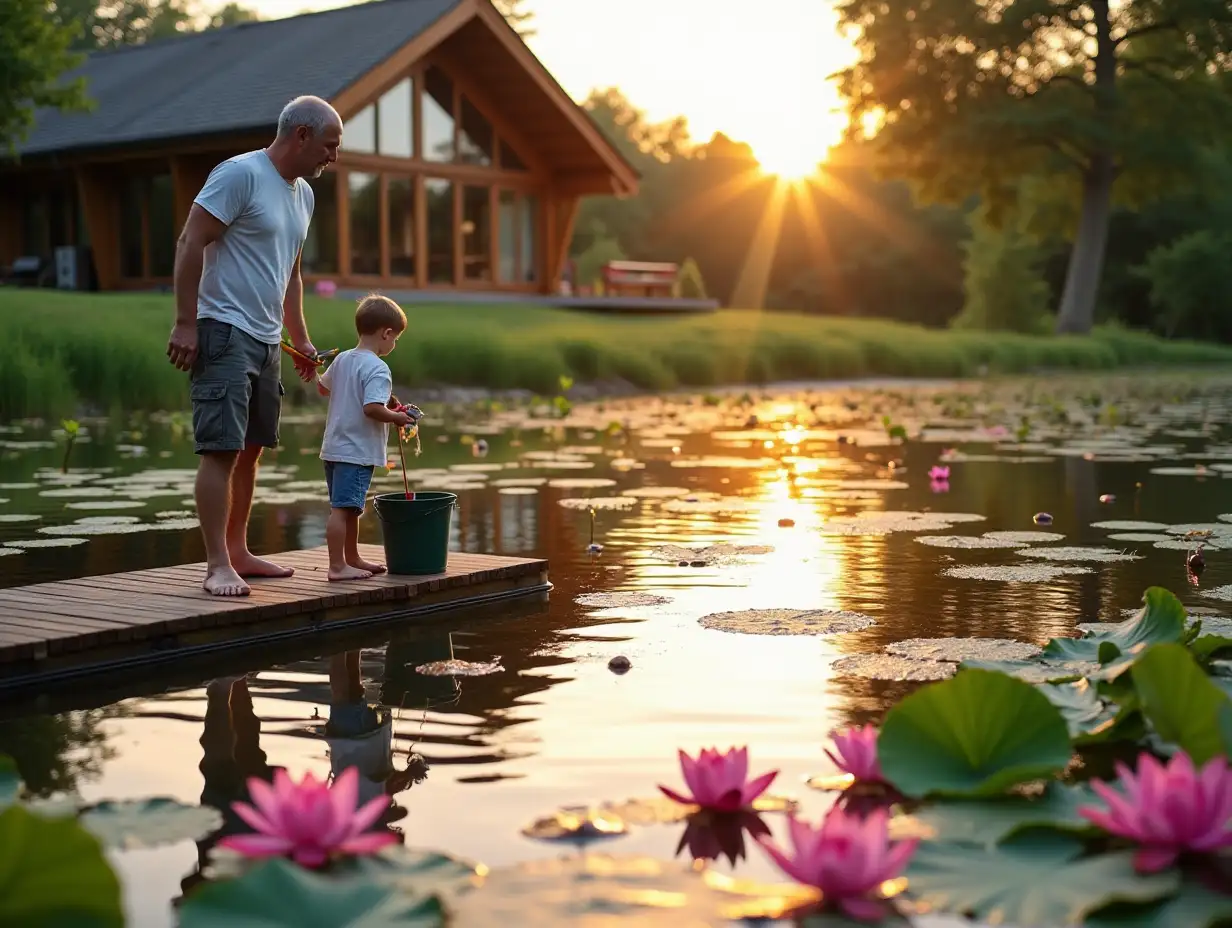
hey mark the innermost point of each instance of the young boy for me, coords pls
(360, 391)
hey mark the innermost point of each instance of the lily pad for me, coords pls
(1037, 671)
(975, 735)
(1031, 881)
(614, 600)
(149, 822)
(37, 543)
(1195, 906)
(988, 822)
(577, 824)
(581, 483)
(1137, 536)
(1180, 701)
(1130, 525)
(710, 554)
(787, 622)
(280, 894)
(967, 541)
(1016, 573)
(1161, 619)
(1029, 538)
(961, 649)
(597, 503)
(1079, 553)
(659, 810)
(889, 667)
(656, 492)
(53, 872)
(598, 889)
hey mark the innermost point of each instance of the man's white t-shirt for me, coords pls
(354, 379)
(246, 272)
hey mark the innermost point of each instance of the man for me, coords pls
(237, 282)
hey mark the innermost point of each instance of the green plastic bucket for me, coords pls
(416, 531)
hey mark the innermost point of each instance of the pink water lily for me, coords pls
(308, 821)
(1167, 809)
(847, 857)
(855, 752)
(939, 473)
(719, 782)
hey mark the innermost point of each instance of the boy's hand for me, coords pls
(403, 420)
(306, 366)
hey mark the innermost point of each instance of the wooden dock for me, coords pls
(70, 627)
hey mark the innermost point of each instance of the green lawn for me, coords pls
(108, 350)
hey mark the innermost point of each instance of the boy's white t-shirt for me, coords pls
(355, 378)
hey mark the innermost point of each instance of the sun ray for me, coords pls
(754, 277)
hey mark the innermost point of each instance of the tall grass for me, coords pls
(65, 350)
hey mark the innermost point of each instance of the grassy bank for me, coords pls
(108, 350)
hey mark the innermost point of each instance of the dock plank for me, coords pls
(73, 616)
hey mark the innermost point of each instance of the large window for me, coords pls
(439, 196)
(394, 120)
(365, 193)
(476, 140)
(359, 132)
(162, 231)
(509, 159)
(36, 235)
(401, 192)
(507, 237)
(132, 225)
(530, 239)
(438, 121)
(321, 245)
(476, 233)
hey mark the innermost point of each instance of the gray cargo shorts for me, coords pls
(236, 389)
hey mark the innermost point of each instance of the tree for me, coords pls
(34, 53)
(1190, 285)
(973, 95)
(1004, 287)
(516, 16)
(101, 24)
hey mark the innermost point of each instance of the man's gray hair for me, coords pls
(311, 112)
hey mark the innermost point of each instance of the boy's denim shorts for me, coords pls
(347, 484)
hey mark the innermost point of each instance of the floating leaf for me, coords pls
(280, 894)
(1029, 538)
(1180, 701)
(988, 822)
(961, 649)
(457, 668)
(659, 810)
(53, 872)
(975, 735)
(787, 622)
(1016, 573)
(890, 667)
(613, 600)
(598, 889)
(149, 822)
(1078, 553)
(1161, 619)
(597, 503)
(1194, 906)
(1031, 881)
(577, 824)
(967, 541)
(1037, 671)
(1130, 525)
(1207, 646)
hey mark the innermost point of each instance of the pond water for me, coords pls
(806, 501)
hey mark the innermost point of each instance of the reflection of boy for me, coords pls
(361, 736)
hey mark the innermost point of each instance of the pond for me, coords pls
(774, 565)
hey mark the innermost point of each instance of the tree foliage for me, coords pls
(1004, 288)
(1190, 284)
(517, 16)
(972, 96)
(102, 24)
(34, 52)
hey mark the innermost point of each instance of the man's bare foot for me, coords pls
(367, 565)
(247, 564)
(224, 581)
(348, 573)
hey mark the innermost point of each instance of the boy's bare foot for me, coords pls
(348, 572)
(247, 564)
(224, 581)
(367, 565)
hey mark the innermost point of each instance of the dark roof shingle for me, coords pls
(231, 79)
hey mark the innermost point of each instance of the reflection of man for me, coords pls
(237, 282)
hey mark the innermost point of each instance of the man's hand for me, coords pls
(306, 369)
(182, 345)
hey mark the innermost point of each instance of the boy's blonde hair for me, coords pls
(376, 312)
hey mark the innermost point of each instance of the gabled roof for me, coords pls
(227, 80)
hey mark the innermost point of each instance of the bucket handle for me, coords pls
(411, 516)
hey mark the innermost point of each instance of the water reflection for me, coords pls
(467, 762)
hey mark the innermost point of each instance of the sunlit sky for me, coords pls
(753, 69)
